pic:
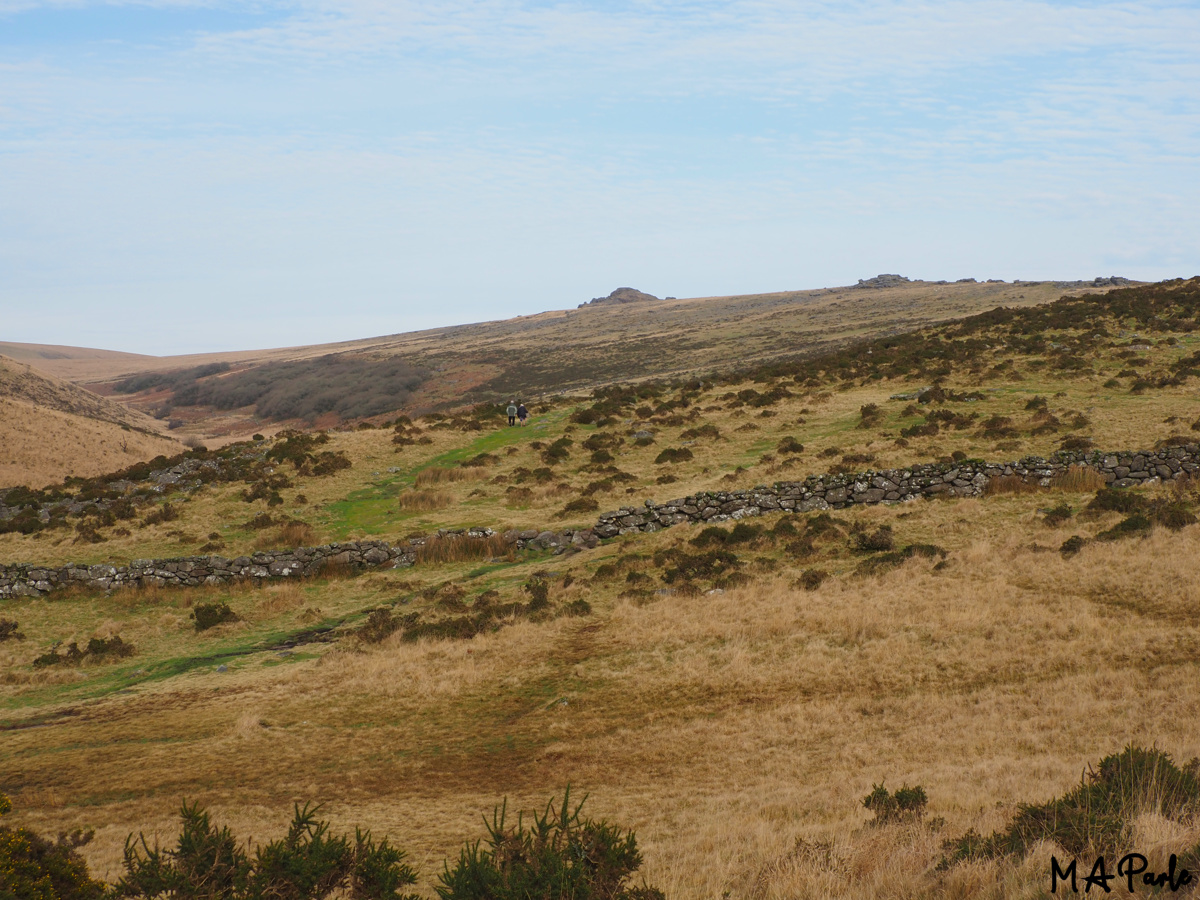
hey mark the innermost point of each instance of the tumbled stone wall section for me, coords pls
(817, 492)
(34, 581)
(964, 479)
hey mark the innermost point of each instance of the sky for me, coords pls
(183, 177)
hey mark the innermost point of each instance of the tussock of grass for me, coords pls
(425, 500)
(288, 536)
(1010, 484)
(436, 475)
(454, 548)
(1079, 480)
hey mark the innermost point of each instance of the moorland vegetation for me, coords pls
(745, 696)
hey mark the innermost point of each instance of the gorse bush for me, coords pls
(674, 455)
(97, 649)
(1097, 814)
(881, 539)
(35, 868)
(309, 863)
(557, 855)
(9, 631)
(209, 615)
(1112, 500)
(907, 804)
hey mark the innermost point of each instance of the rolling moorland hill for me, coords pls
(734, 692)
(217, 396)
(54, 429)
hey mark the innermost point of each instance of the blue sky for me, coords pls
(184, 176)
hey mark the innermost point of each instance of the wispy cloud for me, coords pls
(483, 158)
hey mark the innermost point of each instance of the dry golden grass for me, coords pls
(1011, 484)
(436, 475)
(424, 500)
(1078, 480)
(455, 548)
(41, 446)
(279, 598)
(293, 534)
(736, 732)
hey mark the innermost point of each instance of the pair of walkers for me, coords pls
(517, 411)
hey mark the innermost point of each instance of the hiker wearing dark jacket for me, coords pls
(522, 412)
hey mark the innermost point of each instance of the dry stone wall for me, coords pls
(960, 479)
(34, 581)
(817, 492)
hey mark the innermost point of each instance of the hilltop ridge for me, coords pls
(620, 295)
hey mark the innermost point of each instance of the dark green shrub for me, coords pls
(703, 431)
(926, 430)
(744, 533)
(165, 513)
(111, 648)
(209, 615)
(557, 855)
(600, 457)
(789, 445)
(380, 624)
(812, 579)
(8, 631)
(1057, 515)
(906, 804)
(1173, 515)
(674, 455)
(327, 462)
(579, 607)
(891, 560)
(711, 536)
(479, 461)
(881, 539)
(308, 864)
(24, 522)
(682, 568)
(72, 656)
(1131, 526)
(1072, 545)
(538, 590)
(97, 649)
(784, 528)
(582, 504)
(1095, 815)
(821, 523)
(871, 414)
(998, 427)
(557, 451)
(1114, 500)
(35, 868)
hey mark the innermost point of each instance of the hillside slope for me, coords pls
(732, 690)
(53, 429)
(573, 349)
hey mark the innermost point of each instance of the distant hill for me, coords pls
(53, 429)
(626, 336)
